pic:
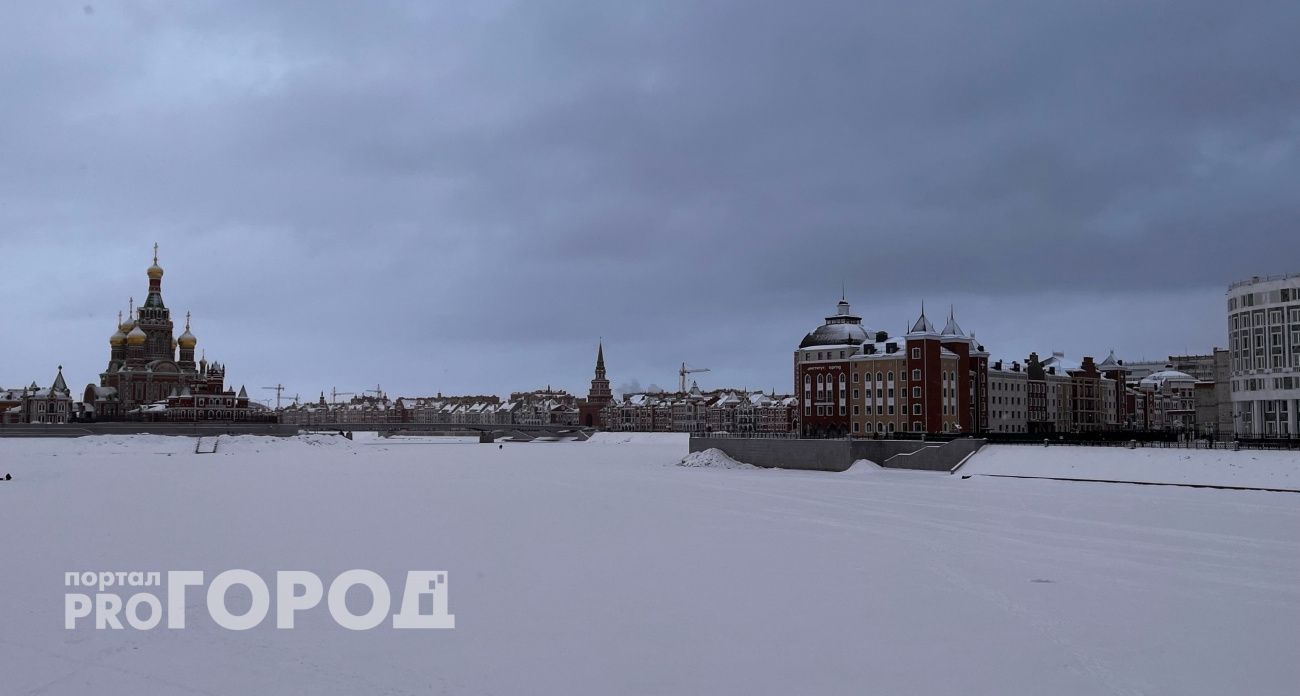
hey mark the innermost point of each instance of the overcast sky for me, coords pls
(464, 197)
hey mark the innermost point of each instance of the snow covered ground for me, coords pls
(605, 568)
(1247, 468)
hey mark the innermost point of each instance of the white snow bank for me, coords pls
(137, 445)
(1249, 469)
(423, 440)
(242, 444)
(865, 465)
(640, 439)
(713, 458)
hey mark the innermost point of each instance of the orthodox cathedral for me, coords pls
(152, 375)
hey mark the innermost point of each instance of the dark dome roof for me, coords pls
(841, 329)
(835, 334)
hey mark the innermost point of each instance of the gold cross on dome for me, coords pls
(155, 252)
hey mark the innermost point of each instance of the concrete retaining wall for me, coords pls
(921, 456)
(815, 455)
(839, 455)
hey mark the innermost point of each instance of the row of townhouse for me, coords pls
(697, 411)
(541, 407)
(1057, 396)
(854, 381)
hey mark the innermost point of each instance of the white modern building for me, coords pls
(1264, 340)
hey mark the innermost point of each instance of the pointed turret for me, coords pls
(59, 384)
(923, 324)
(951, 328)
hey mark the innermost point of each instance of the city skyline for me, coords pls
(254, 361)
(467, 198)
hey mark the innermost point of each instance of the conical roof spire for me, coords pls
(923, 324)
(952, 328)
(59, 383)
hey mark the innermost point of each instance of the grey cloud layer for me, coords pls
(496, 184)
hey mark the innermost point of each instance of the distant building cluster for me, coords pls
(853, 381)
(540, 407)
(696, 411)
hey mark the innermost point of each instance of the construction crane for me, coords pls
(378, 391)
(278, 389)
(686, 371)
(335, 394)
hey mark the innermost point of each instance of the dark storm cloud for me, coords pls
(463, 197)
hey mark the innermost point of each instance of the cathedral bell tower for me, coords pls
(155, 319)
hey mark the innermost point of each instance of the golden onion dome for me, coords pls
(187, 340)
(136, 337)
(155, 271)
(117, 338)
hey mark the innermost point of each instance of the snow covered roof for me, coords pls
(1111, 364)
(923, 325)
(1058, 361)
(1158, 379)
(951, 328)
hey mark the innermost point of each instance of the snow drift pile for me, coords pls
(713, 459)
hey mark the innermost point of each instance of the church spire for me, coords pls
(155, 273)
(600, 360)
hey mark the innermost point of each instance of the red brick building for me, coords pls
(821, 372)
(851, 381)
(592, 412)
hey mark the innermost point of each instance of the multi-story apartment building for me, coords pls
(1048, 389)
(916, 384)
(1009, 394)
(1264, 346)
(1214, 398)
(853, 381)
